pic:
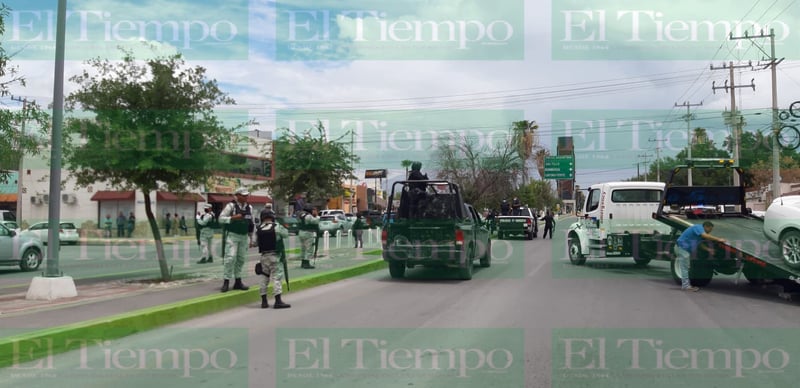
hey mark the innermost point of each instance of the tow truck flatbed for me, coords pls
(746, 249)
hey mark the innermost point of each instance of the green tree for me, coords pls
(538, 194)
(310, 163)
(152, 128)
(14, 142)
(702, 148)
(485, 176)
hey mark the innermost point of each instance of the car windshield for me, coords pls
(67, 225)
(326, 218)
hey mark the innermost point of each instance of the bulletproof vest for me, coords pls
(210, 223)
(303, 225)
(243, 225)
(266, 238)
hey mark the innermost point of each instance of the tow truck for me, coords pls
(746, 251)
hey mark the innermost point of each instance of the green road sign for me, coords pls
(559, 167)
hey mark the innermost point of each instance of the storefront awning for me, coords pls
(183, 197)
(114, 196)
(8, 198)
(253, 199)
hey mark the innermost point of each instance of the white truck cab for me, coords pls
(617, 221)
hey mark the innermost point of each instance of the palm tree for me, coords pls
(406, 163)
(524, 135)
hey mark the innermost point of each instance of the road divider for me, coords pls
(47, 342)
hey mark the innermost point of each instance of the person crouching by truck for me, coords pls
(686, 248)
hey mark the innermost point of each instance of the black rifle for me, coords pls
(280, 247)
(316, 243)
(197, 230)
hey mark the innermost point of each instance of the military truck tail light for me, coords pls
(459, 237)
(384, 236)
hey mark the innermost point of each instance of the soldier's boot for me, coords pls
(305, 264)
(238, 285)
(264, 303)
(225, 285)
(203, 261)
(210, 260)
(279, 303)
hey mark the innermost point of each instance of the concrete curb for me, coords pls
(38, 344)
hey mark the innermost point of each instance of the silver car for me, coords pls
(25, 250)
(782, 226)
(333, 224)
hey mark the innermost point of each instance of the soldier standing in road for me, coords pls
(237, 221)
(549, 224)
(204, 223)
(309, 227)
(358, 231)
(268, 235)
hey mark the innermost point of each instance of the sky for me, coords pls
(396, 78)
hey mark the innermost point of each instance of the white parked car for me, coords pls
(67, 232)
(782, 226)
(333, 224)
(11, 225)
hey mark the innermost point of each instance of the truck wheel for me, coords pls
(486, 260)
(397, 269)
(31, 260)
(641, 262)
(754, 275)
(790, 248)
(699, 274)
(576, 257)
(499, 235)
(465, 273)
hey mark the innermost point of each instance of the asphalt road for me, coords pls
(531, 320)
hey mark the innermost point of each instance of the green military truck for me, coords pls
(433, 227)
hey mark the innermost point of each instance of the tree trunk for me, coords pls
(151, 219)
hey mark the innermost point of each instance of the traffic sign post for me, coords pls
(559, 167)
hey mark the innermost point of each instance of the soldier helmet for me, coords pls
(208, 206)
(267, 214)
(416, 166)
(242, 191)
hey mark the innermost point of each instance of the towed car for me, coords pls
(782, 226)
(20, 249)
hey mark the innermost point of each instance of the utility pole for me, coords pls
(734, 122)
(22, 133)
(776, 125)
(644, 157)
(688, 118)
(658, 157)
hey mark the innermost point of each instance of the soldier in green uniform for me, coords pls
(309, 227)
(237, 221)
(205, 223)
(269, 234)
